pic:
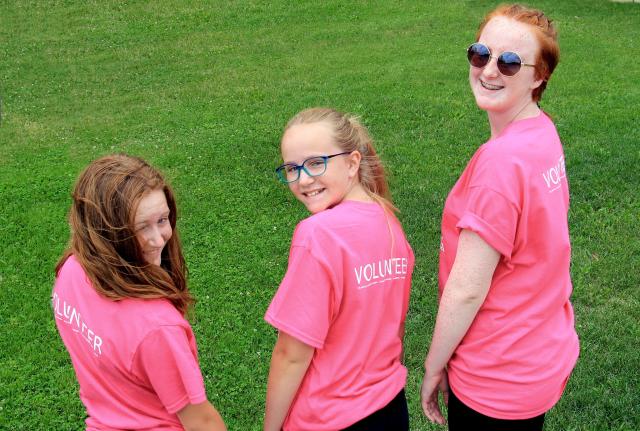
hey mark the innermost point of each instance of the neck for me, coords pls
(357, 193)
(499, 121)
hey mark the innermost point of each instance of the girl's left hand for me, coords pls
(432, 384)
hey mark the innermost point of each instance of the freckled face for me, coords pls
(303, 141)
(152, 225)
(493, 91)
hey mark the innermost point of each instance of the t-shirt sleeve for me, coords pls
(493, 217)
(168, 362)
(303, 305)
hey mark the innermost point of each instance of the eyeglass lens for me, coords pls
(313, 167)
(479, 55)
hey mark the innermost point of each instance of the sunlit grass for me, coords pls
(203, 91)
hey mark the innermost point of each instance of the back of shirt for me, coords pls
(346, 293)
(135, 360)
(516, 356)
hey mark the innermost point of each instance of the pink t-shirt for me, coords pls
(345, 293)
(136, 360)
(516, 357)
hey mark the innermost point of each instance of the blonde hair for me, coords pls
(350, 135)
(105, 200)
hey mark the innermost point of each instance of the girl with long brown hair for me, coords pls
(120, 300)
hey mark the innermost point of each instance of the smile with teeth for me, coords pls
(490, 86)
(313, 193)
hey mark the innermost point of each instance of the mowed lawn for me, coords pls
(203, 90)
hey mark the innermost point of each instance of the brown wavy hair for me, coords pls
(350, 135)
(105, 201)
(545, 33)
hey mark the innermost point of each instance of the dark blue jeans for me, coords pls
(392, 417)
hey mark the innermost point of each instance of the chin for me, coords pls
(489, 105)
(315, 209)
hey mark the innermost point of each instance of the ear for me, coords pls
(537, 83)
(353, 163)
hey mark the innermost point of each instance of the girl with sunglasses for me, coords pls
(504, 342)
(341, 307)
(119, 303)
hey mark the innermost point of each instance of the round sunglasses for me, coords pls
(509, 63)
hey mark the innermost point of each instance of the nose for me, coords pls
(491, 69)
(305, 178)
(154, 237)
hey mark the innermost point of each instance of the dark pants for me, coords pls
(463, 418)
(392, 417)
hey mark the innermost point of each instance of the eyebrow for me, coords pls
(164, 214)
(305, 159)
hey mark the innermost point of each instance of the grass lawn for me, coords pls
(203, 91)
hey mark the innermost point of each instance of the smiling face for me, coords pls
(152, 226)
(319, 193)
(498, 94)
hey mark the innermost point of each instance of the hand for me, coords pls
(432, 384)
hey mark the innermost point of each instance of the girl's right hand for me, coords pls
(432, 384)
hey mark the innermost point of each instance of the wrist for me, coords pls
(431, 366)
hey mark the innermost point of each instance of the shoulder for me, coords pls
(332, 223)
(525, 138)
(71, 268)
(72, 278)
(137, 319)
(322, 223)
(147, 312)
(519, 147)
(156, 313)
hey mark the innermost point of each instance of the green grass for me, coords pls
(203, 91)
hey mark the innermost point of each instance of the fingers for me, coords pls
(432, 411)
(430, 406)
(444, 388)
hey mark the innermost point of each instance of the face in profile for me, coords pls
(494, 91)
(152, 226)
(325, 182)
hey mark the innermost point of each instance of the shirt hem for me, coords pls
(296, 333)
(510, 416)
(176, 406)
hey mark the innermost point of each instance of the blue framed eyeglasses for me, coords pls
(313, 166)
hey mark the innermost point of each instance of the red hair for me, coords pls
(545, 33)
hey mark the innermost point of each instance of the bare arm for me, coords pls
(201, 417)
(289, 362)
(464, 293)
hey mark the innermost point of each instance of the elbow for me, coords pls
(465, 297)
(290, 357)
(209, 422)
(470, 298)
(201, 417)
(291, 351)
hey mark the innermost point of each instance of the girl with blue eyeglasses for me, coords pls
(341, 307)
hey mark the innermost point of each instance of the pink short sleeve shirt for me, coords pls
(515, 359)
(346, 293)
(135, 360)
